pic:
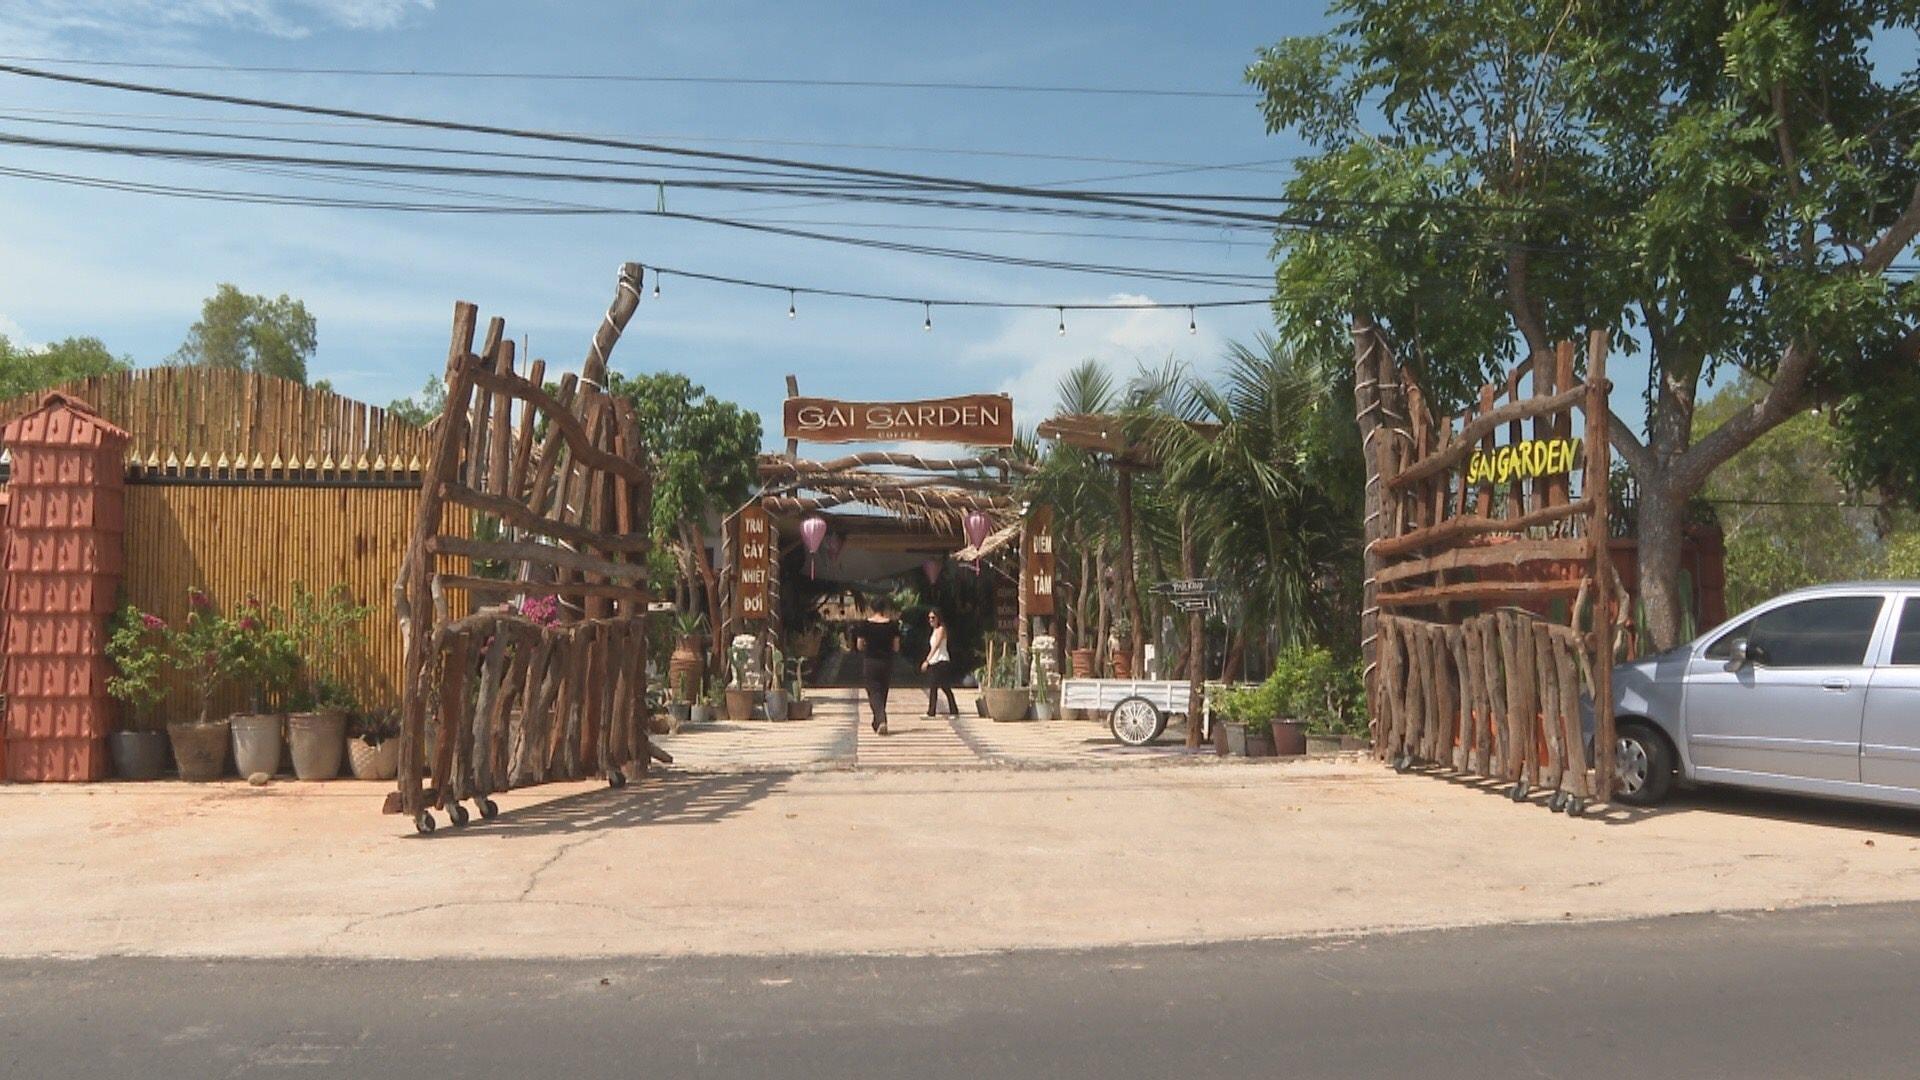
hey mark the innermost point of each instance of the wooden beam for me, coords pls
(1510, 553)
(528, 551)
(541, 588)
(1510, 592)
(1482, 425)
(566, 422)
(1471, 525)
(518, 515)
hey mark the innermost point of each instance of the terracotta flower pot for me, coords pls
(1289, 738)
(741, 703)
(1123, 664)
(686, 670)
(200, 749)
(380, 761)
(1081, 663)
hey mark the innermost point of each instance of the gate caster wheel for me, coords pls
(423, 822)
(1575, 806)
(489, 809)
(616, 779)
(1556, 801)
(1403, 763)
(1519, 792)
(457, 814)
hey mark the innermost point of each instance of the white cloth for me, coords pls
(938, 653)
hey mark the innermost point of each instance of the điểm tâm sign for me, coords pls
(1526, 460)
(975, 420)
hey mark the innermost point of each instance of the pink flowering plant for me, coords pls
(140, 647)
(202, 647)
(262, 653)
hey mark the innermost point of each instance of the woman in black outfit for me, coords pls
(878, 638)
(939, 667)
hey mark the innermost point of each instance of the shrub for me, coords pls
(140, 648)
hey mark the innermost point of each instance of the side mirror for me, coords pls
(1739, 654)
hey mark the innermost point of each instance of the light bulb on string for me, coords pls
(1063, 321)
(656, 284)
(791, 313)
(1193, 325)
(928, 325)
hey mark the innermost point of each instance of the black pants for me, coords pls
(940, 678)
(879, 674)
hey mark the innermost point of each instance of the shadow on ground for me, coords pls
(667, 799)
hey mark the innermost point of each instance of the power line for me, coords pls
(902, 298)
(602, 77)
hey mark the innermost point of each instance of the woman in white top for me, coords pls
(938, 666)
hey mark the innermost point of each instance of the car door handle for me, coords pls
(1835, 684)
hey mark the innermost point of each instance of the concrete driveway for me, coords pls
(892, 862)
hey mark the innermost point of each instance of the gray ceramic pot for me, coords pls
(319, 739)
(200, 749)
(138, 755)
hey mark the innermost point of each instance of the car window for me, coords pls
(1722, 647)
(1906, 640)
(1831, 631)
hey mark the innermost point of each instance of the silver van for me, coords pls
(1816, 692)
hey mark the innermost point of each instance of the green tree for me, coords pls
(1720, 184)
(252, 333)
(422, 408)
(25, 371)
(703, 451)
(1789, 519)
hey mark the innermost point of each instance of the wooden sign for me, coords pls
(976, 420)
(1037, 562)
(754, 552)
(1525, 460)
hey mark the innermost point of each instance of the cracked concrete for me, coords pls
(893, 862)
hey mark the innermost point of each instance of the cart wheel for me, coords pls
(1136, 721)
(489, 809)
(1403, 763)
(457, 814)
(616, 779)
(1575, 806)
(1557, 800)
(423, 822)
(1519, 792)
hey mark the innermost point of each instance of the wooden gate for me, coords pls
(519, 692)
(1493, 608)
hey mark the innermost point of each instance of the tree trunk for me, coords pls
(1661, 529)
(697, 548)
(1196, 635)
(1129, 592)
(1104, 615)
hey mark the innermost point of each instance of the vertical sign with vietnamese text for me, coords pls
(1037, 579)
(756, 562)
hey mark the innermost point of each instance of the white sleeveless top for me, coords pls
(939, 652)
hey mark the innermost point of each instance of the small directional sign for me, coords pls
(659, 607)
(1190, 594)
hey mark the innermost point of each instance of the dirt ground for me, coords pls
(900, 861)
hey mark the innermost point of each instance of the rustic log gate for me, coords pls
(1492, 603)
(516, 699)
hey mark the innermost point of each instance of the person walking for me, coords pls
(939, 667)
(878, 639)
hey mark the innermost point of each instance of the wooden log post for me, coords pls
(1596, 481)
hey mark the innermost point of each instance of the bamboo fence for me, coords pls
(1492, 604)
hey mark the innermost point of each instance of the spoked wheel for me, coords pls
(1136, 721)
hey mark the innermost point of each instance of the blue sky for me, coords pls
(134, 269)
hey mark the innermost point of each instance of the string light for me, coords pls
(791, 313)
(1063, 320)
(928, 325)
(656, 284)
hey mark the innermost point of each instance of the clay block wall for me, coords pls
(64, 556)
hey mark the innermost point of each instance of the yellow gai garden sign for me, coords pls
(1523, 461)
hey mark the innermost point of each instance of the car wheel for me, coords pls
(1643, 764)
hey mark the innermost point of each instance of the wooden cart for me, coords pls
(1136, 709)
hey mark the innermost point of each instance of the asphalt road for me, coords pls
(1822, 993)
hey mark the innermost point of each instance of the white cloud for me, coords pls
(11, 330)
(1122, 340)
(54, 23)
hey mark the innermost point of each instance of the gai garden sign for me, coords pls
(1528, 459)
(973, 420)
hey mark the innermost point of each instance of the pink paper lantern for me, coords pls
(812, 532)
(977, 526)
(931, 568)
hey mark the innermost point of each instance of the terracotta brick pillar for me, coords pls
(64, 556)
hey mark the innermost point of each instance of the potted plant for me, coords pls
(747, 691)
(264, 658)
(325, 627)
(687, 667)
(1081, 662)
(1122, 658)
(777, 699)
(373, 752)
(1247, 716)
(799, 707)
(140, 651)
(1006, 700)
(201, 647)
(1045, 678)
(705, 708)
